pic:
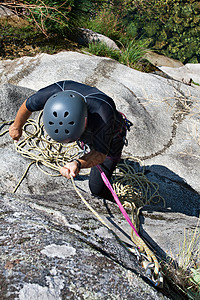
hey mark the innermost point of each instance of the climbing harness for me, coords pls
(47, 154)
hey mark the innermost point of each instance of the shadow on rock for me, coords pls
(179, 197)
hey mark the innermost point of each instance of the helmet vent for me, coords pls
(71, 123)
(51, 123)
(66, 131)
(60, 123)
(66, 114)
(55, 114)
(56, 131)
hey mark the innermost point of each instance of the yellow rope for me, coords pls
(133, 188)
(45, 152)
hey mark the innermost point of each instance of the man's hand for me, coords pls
(15, 132)
(70, 169)
(89, 160)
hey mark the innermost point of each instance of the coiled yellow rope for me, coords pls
(133, 188)
(44, 151)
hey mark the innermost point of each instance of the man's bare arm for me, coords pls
(92, 159)
(87, 161)
(15, 129)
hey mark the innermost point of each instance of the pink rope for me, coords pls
(107, 183)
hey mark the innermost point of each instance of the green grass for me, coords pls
(186, 275)
(130, 55)
(101, 49)
(133, 52)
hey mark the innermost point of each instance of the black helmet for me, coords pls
(65, 116)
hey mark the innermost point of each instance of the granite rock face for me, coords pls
(188, 73)
(52, 248)
(51, 245)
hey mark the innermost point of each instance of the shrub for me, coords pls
(107, 23)
(133, 52)
(173, 26)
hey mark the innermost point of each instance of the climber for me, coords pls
(77, 112)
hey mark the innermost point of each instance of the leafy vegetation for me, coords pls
(130, 55)
(46, 26)
(172, 26)
(101, 49)
(106, 15)
(168, 27)
(53, 16)
(131, 51)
